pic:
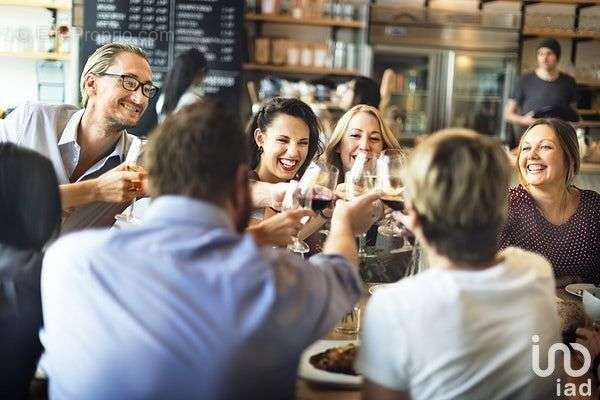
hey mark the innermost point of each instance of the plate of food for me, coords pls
(578, 288)
(331, 363)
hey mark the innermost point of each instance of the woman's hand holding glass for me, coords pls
(279, 229)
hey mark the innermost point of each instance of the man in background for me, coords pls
(545, 92)
(88, 146)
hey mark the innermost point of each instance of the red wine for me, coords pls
(396, 203)
(321, 203)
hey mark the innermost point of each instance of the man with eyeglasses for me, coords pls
(88, 146)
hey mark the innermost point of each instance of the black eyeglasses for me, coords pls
(132, 84)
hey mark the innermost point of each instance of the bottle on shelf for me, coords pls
(63, 39)
(51, 41)
(270, 6)
(339, 55)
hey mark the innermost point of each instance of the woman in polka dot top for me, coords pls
(546, 213)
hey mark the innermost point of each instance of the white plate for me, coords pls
(308, 372)
(578, 288)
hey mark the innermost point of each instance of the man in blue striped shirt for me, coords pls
(185, 305)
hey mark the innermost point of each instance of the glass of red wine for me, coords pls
(324, 179)
(389, 183)
(314, 191)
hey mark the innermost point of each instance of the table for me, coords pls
(306, 391)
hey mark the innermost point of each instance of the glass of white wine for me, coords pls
(389, 182)
(357, 183)
(133, 158)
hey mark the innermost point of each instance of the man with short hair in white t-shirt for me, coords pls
(462, 329)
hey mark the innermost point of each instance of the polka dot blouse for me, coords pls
(573, 248)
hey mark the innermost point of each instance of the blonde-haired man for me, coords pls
(462, 329)
(88, 146)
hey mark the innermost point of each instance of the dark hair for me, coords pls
(30, 210)
(194, 153)
(187, 66)
(366, 91)
(551, 44)
(567, 139)
(288, 106)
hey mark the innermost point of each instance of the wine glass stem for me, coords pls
(362, 241)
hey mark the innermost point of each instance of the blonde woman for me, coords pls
(547, 213)
(462, 329)
(360, 129)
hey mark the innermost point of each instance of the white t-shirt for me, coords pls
(463, 334)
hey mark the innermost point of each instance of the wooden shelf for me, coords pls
(36, 55)
(572, 2)
(286, 19)
(589, 83)
(560, 33)
(299, 69)
(56, 5)
(567, 2)
(582, 111)
(589, 124)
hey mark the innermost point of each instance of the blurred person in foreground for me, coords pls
(184, 305)
(463, 328)
(547, 213)
(29, 218)
(88, 146)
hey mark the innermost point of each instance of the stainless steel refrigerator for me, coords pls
(452, 69)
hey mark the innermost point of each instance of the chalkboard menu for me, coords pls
(165, 28)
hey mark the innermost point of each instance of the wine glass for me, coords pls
(389, 182)
(294, 198)
(321, 179)
(358, 182)
(132, 159)
(323, 196)
(314, 191)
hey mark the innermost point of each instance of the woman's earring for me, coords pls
(259, 151)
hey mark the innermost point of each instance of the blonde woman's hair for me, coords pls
(333, 157)
(457, 182)
(567, 140)
(101, 60)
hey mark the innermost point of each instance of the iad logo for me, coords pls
(569, 389)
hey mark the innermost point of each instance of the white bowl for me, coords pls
(591, 303)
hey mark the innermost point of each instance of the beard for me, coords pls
(114, 124)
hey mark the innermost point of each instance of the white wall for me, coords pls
(18, 77)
